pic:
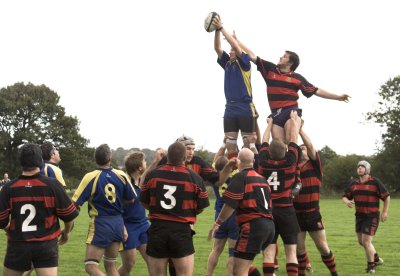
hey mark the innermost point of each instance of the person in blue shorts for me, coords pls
(136, 222)
(229, 230)
(240, 113)
(105, 189)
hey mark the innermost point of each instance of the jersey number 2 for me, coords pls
(32, 213)
(169, 195)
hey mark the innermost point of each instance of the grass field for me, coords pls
(338, 220)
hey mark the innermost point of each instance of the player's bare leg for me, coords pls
(128, 258)
(287, 129)
(92, 260)
(110, 258)
(158, 266)
(319, 238)
(241, 266)
(366, 241)
(184, 266)
(212, 262)
(142, 249)
(291, 259)
(231, 144)
(46, 271)
(301, 252)
(268, 259)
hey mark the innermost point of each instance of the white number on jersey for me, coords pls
(168, 195)
(32, 213)
(273, 180)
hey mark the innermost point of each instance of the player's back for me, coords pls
(174, 193)
(105, 190)
(280, 173)
(35, 203)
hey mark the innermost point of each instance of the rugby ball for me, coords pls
(208, 25)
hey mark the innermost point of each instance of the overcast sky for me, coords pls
(142, 73)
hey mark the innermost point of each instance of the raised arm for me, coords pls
(217, 43)
(267, 132)
(221, 151)
(327, 95)
(160, 153)
(253, 57)
(230, 38)
(312, 153)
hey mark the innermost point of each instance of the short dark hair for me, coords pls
(277, 149)
(102, 154)
(294, 59)
(47, 150)
(30, 157)
(221, 162)
(176, 153)
(133, 161)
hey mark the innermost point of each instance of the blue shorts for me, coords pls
(104, 230)
(137, 235)
(228, 229)
(281, 115)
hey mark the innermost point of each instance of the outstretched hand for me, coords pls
(217, 22)
(344, 98)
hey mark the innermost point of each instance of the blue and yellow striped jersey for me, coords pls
(104, 190)
(52, 170)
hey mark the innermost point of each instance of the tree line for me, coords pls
(32, 113)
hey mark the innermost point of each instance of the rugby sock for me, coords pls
(376, 257)
(253, 271)
(268, 269)
(329, 261)
(292, 269)
(171, 268)
(302, 259)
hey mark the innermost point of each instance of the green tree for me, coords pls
(387, 115)
(31, 113)
(338, 172)
(327, 154)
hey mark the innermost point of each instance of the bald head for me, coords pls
(246, 158)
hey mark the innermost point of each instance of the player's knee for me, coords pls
(250, 138)
(128, 265)
(231, 141)
(91, 265)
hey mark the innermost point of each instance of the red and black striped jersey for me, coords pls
(280, 174)
(174, 193)
(32, 205)
(199, 166)
(250, 195)
(366, 195)
(311, 178)
(282, 88)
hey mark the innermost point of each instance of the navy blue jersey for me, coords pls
(104, 190)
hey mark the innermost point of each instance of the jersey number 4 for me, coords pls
(273, 180)
(169, 195)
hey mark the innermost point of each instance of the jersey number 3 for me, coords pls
(169, 195)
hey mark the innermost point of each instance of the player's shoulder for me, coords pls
(91, 175)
